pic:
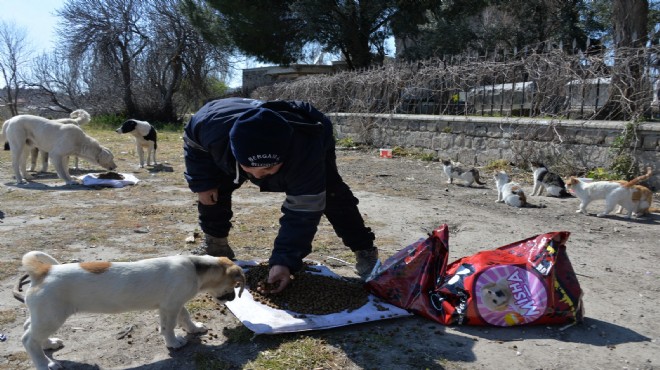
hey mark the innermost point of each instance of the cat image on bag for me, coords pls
(510, 193)
(549, 181)
(457, 171)
(614, 192)
(642, 198)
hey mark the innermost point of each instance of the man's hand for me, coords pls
(278, 276)
(208, 197)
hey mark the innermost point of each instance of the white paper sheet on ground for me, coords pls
(91, 179)
(262, 319)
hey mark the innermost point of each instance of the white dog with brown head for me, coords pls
(59, 290)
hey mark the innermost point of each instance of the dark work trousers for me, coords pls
(340, 209)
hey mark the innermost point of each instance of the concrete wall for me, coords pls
(480, 140)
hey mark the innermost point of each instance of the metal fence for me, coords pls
(553, 83)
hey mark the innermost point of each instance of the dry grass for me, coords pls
(304, 353)
(153, 218)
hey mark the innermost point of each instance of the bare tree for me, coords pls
(15, 53)
(145, 50)
(176, 54)
(627, 90)
(58, 77)
(111, 32)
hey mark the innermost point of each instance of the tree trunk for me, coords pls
(626, 95)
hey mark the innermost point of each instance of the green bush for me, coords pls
(107, 122)
(113, 121)
(498, 165)
(346, 142)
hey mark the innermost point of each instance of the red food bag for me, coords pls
(527, 282)
(408, 277)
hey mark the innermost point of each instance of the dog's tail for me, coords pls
(80, 116)
(638, 179)
(3, 135)
(37, 264)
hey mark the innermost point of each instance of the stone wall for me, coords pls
(480, 140)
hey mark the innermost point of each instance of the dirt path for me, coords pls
(402, 199)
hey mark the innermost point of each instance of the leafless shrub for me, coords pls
(553, 84)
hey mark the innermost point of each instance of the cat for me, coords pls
(549, 181)
(511, 193)
(642, 198)
(455, 170)
(614, 192)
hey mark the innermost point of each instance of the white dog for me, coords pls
(167, 283)
(60, 141)
(78, 117)
(145, 137)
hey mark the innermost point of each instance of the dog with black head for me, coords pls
(146, 136)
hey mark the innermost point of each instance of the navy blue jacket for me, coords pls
(210, 162)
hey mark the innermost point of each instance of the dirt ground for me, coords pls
(402, 199)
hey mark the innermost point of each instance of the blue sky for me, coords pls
(37, 17)
(39, 20)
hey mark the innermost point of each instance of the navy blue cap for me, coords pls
(260, 137)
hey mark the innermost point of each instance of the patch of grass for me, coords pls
(204, 361)
(239, 334)
(105, 122)
(346, 142)
(415, 153)
(498, 165)
(304, 353)
(602, 174)
(201, 303)
(7, 317)
(400, 151)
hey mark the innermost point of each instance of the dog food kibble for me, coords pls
(308, 293)
(110, 175)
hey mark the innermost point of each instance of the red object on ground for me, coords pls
(523, 283)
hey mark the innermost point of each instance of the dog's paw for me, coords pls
(177, 342)
(53, 343)
(54, 365)
(197, 328)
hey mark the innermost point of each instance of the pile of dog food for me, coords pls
(308, 293)
(110, 175)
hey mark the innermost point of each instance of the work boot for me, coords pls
(366, 260)
(213, 246)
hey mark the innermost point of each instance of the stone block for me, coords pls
(651, 142)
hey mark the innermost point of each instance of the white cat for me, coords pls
(510, 193)
(614, 192)
(548, 181)
(642, 198)
(455, 170)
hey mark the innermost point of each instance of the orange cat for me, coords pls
(613, 192)
(642, 198)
